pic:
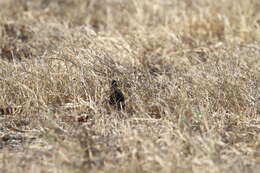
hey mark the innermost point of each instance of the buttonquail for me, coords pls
(116, 98)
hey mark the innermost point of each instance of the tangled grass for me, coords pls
(190, 72)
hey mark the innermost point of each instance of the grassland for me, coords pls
(190, 72)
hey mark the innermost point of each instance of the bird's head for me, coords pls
(114, 84)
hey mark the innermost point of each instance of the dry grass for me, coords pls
(190, 71)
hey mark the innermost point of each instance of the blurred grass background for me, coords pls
(189, 71)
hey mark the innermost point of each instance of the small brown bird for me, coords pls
(117, 98)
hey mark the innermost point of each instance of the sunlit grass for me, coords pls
(189, 71)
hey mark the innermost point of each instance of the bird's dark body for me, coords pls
(117, 98)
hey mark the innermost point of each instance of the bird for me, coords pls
(117, 97)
